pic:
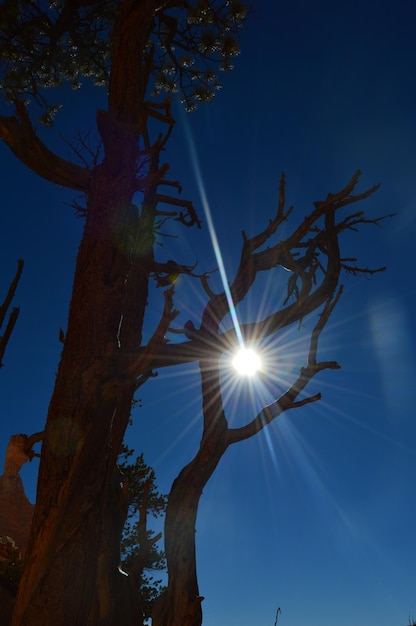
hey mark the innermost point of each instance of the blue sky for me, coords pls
(316, 514)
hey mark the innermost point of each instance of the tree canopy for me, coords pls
(46, 44)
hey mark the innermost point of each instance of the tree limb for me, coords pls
(289, 399)
(4, 339)
(308, 298)
(11, 291)
(19, 135)
(145, 360)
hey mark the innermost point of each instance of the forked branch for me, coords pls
(144, 362)
(311, 280)
(289, 399)
(312, 256)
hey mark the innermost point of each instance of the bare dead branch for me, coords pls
(206, 287)
(280, 254)
(312, 289)
(154, 109)
(167, 273)
(355, 219)
(11, 291)
(80, 146)
(4, 339)
(289, 399)
(354, 270)
(333, 202)
(189, 218)
(172, 183)
(254, 243)
(145, 361)
(19, 135)
(321, 323)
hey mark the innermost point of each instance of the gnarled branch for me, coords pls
(145, 360)
(19, 135)
(289, 399)
(311, 294)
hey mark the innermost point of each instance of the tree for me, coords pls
(134, 49)
(312, 255)
(138, 50)
(138, 552)
(139, 555)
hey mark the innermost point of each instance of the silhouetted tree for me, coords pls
(140, 557)
(312, 254)
(138, 50)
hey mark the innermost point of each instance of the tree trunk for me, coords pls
(180, 603)
(71, 575)
(77, 510)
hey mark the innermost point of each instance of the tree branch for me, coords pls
(252, 262)
(187, 219)
(4, 339)
(289, 399)
(208, 340)
(145, 360)
(11, 291)
(19, 135)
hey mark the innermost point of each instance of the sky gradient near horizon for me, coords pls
(317, 513)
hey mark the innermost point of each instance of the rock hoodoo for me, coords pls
(15, 509)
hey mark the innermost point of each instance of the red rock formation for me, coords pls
(15, 509)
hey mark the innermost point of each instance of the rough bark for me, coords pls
(87, 417)
(180, 604)
(76, 530)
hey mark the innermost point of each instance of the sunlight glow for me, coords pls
(211, 228)
(247, 362)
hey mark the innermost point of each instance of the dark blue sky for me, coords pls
(316, 514)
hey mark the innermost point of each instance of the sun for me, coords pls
(247, 362)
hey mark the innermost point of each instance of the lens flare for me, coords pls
(247, 362)
(211, 228)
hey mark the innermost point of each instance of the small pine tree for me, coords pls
(11, 564)
(138, 544)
